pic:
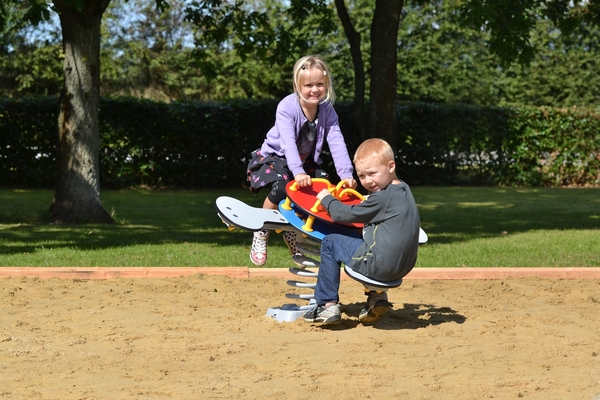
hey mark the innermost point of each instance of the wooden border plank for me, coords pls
(245, 272)
(119, 272)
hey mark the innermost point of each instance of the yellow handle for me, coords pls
(294, 186)
(350, 191)
(315, 207)
(340, 186)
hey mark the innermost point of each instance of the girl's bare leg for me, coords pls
(268, 204)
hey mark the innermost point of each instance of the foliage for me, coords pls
(29, 12)
(181, 144)
(150, 55)
(442, 61)
(270, 30)
(192, 144)
(193, 59)
(28, 141)
(30, 64)
(519, 146)
(451, 144)
(510, 22)
(563, 72)
(439, 60)
(552, 147)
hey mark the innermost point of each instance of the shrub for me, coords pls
(195, 145)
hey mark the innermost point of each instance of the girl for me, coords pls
(304, 120)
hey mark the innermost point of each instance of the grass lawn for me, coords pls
(467, 227)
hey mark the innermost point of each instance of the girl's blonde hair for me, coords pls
(371, 148)
(307, 63)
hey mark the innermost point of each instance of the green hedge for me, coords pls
(551, 147)
(185, 145)
(194, 145)
(28, 134)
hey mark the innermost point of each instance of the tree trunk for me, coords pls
(359, 68)
(384, 46)
(77, 191)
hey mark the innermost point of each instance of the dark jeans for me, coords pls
(336, 250)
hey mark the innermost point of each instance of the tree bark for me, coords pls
(354, 40)
(384, 48)
(77, 192)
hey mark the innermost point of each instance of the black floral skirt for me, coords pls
(264, 170)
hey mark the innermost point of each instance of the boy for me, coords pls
(388, 249)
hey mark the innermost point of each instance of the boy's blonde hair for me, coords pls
(307, 63)
(371, 148)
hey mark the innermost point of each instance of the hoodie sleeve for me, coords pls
(364, 212)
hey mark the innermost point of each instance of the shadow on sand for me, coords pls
(410, 316)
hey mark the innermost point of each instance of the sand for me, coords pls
(208, 337)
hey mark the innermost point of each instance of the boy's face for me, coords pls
(375, 175)
(312, 85)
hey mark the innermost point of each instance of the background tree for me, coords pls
(30, 58)
(382, 119)
(77, 188)
(439, 59)
(563, 71)
(511, 22)
(251, 31)
(147, 53)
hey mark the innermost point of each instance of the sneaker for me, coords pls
(291, 240)
(377, 306)
(258, 252)
(326, 315)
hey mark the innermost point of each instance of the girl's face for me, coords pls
(312, 86)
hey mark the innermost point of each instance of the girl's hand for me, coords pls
(322, 194)
(303, 180)
(350, 183)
